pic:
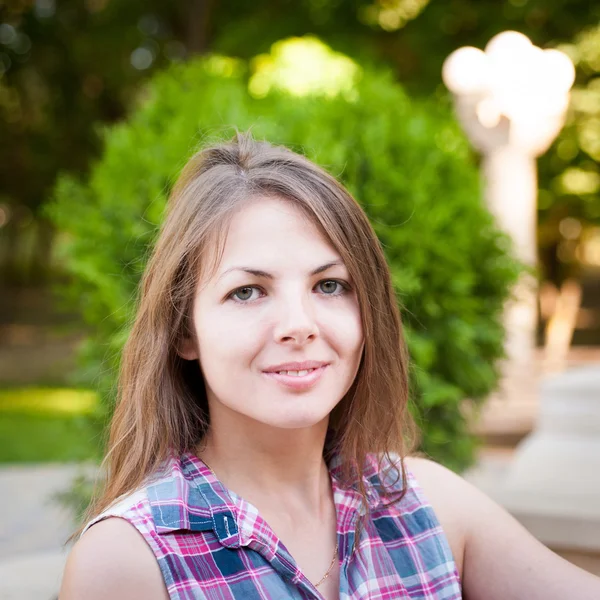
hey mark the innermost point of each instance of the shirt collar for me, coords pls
(186, 495)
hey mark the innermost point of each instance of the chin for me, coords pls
(296, 419)
(297, 424)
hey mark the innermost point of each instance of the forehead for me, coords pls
(272, 232)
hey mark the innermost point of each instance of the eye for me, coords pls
(332, 287)
(244, 294)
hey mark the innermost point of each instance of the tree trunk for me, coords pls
(198, 25)
(42, 252)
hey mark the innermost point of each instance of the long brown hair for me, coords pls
(162, 406)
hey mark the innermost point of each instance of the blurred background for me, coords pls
(90, 89)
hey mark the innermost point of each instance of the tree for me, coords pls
(69, 67)
(406, 162)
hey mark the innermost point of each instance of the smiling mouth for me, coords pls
(295, 373)
(298, 380)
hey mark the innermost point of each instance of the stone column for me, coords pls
(511, 101)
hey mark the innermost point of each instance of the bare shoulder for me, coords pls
(443, 489)
(112, 560)
(432, 475)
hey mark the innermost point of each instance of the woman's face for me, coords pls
(278, 328)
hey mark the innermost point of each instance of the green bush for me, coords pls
(405, 161)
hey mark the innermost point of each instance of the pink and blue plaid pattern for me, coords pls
(212, 544)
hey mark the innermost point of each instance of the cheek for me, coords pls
(226, 340)
(345, 328)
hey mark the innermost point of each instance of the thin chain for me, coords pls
(335, 552)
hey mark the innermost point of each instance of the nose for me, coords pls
(296, 323)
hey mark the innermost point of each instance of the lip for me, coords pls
(298, 383)
(296, 366)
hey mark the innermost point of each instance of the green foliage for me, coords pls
(570, 171)
(406, 163)
(66, 67)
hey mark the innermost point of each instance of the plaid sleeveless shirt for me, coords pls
(212, 544)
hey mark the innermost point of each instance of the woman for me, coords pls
(260, 446)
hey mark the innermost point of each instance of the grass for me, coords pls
(48, 425)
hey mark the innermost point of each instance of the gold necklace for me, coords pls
(335, 552)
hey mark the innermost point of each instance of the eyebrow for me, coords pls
(266, 275)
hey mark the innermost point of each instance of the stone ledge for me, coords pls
(566, 532)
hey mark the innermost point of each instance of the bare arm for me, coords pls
(112, 561)
(502, 560)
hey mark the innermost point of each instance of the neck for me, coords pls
(267, 465)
